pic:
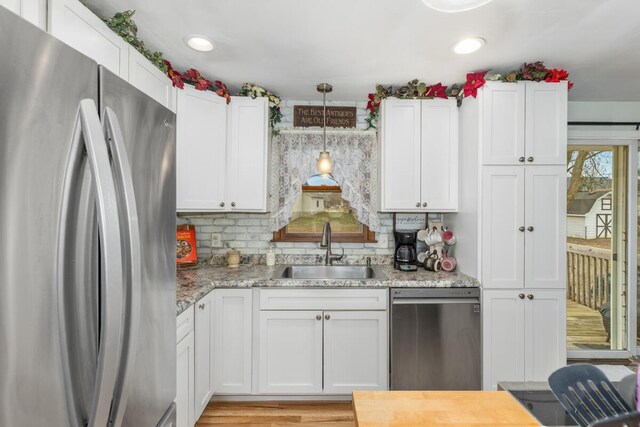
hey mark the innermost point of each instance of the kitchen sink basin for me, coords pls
(327, 272)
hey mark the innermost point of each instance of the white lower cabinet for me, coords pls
(290, 352)
(232, 341)
(523, 335)
(204, 322)
(355, 351)
(331, 341)
(185, 369)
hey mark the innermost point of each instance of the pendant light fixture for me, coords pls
(324, 166)
(453, 6)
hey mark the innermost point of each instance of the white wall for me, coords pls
(605, 112)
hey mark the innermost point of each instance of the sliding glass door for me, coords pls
(601, 282)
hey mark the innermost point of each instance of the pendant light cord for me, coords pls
(324, 121)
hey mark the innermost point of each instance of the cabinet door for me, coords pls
(545, 333)
(74, 24)
(149, 79)
(232, 341)
(439, 182)
(184, 382)
(503, 355)
(34, 11)
(248, 154)
(502, 123)
(204, 323)
(201, 147)
(503, 229)
(546, 123)
(355, 351)
(400, 156)
(545, 219)
(290, 352)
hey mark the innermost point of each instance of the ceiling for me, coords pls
(288, 46)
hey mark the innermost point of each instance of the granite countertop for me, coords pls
(194, 283)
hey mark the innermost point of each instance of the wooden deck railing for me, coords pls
(588, 275)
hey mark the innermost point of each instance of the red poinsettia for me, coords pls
(194, 76)
(556, 75)
(176, 77)
(570, 85)
(372, 105)
(222, 91)
(474, 82)
(437, 91)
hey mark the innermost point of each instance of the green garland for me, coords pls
(122, 24)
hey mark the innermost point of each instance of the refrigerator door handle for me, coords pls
(132, 262)
(88, 138)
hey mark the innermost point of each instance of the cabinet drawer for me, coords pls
(323, 299)
(184, 323)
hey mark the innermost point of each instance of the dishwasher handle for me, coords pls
(424, 301)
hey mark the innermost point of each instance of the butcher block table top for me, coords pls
(439, 408)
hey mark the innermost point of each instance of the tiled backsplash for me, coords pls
(250, 234)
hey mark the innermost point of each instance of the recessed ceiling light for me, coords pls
(468, 45)
(200, 43)
(452, 6)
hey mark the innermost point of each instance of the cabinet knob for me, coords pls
(530, 296)
(424, 205)
(318, 317)
(222, 204)
(201, 306)
(530, 228)
(530, 159)
(521, 228)
(233, 204)
(521, 159)
(418, 205)
(327, 317)
(521, 296)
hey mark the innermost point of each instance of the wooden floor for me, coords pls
(278, 414)
(585, 330)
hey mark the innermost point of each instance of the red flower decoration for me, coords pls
(437, 91)
(176, 77)
(555, 75)
(570, 85)
(474, 82)
(371, 105)
(222, 91)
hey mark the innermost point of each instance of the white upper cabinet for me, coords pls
(74, 24)
(546, 123)
(150, 80)
(524, 122)
(439, 183)
(503, 227)
(34, 11)
(400, 160)
(247, 154)
(545, 219)
(503, 123)
(222, 152)
(201, 150)
(419, 155)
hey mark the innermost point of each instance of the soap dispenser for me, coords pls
(271, 257)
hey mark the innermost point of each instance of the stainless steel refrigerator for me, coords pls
(87, 223)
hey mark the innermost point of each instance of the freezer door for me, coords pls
(148, 134)
(54, 180)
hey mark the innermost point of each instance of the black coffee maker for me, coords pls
(405, 255)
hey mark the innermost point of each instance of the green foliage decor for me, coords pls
(122, 24)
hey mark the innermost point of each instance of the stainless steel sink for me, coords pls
(327, 272)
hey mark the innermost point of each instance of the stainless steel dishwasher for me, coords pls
(435, 339)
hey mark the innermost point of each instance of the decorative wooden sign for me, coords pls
(311, 115)
(409, 222)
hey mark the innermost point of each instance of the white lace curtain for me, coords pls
(355, 169)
